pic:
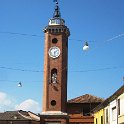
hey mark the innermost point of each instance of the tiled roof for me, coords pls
(110, 99)
(15, 115)
(87, 98)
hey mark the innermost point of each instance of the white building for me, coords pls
(113, 112)
(107, 114)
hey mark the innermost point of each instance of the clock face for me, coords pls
(54, 52)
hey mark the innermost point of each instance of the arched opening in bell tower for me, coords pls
(54, 75)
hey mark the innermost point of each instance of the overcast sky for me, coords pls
(98, 71)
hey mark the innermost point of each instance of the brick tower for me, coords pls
(55, 70)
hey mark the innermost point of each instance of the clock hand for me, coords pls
(54, 52)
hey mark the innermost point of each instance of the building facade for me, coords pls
(112, 109)
(79, 109)
(113, 112)
(99, 117)
(106, 114)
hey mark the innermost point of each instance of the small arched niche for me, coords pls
(54, 75)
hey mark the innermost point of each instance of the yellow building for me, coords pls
(99, 116)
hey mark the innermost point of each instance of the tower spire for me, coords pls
(56, 20)
(57, 13)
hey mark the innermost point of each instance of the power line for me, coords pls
(18, 69)
(99, 69)
(80, 71)
(38, 71)
(8, 81)
(115, 37)
(23, 34)
(35, 35)
(16, 81)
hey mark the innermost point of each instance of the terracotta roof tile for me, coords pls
(15, 115)
(11, 115)
(87, 98)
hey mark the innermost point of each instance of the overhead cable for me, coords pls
(35, 35)
(89, 70)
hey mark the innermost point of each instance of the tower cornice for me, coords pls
(57, 29)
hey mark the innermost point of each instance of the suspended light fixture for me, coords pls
(19, 84)
(86, 46)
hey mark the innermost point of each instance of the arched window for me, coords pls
(54, 75)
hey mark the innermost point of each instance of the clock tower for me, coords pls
(55, 70)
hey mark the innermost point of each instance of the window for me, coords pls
(101, 119)
(106, 115)
(96, 121)
(114, 113)
(118, 106)
(52, 21)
